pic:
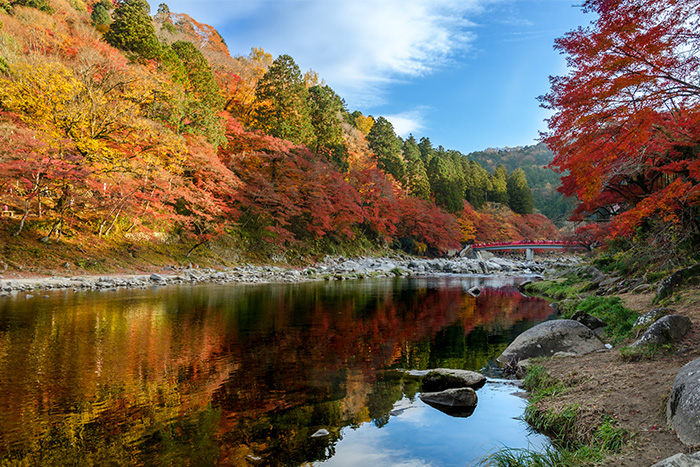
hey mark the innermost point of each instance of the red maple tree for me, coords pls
(626, 128)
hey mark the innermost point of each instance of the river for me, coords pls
(247, 374)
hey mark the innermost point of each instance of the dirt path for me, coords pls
(635, 393)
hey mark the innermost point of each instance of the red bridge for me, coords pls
(528, 245)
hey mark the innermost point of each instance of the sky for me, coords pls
(464, 73)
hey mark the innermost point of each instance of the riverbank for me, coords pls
(331, 268)
(628, 390)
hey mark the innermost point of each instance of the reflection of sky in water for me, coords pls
(423, 436)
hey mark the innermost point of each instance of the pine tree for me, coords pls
(387, 147)
(416, 176)
(519, 194)
(132, 30)
(326, 108)
(499, 188)
(281, 103)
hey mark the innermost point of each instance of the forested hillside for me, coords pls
(542, 180)
(120, 128)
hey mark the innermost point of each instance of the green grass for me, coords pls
(645, 352)
(619, 318)
(558, 289)
(550, 457)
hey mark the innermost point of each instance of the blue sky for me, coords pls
(465, 73)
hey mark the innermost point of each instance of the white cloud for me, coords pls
(411, 121)
(357, 46)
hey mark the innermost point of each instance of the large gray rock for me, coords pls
(550, 337)
(668, 285)
(680, 460)
(440, 379)
(458, 402)
(590, 321)
(683, 408)
(651, 316)
(667, 330)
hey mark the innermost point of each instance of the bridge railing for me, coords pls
(526, 243)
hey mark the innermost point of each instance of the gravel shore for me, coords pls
(331, 268)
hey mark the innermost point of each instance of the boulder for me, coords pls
(683, 408)
(651, 316)
(666, 330)
(680, 460)
(474, 291)
(590, 321)
(458, 402)
(550, 337)
(668, 285)
(157, 278)
(440, 379)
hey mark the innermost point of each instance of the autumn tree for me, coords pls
(41, 5)
(362, 122)
(626, 125)
(281, 103)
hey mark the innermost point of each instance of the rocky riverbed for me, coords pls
(331, 268)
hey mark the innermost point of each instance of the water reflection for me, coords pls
(242, 375)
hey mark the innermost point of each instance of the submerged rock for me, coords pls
(458, 402)
(550, 337)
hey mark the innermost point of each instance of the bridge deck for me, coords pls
(522, 245)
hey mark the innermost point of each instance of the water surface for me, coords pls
(245, 375)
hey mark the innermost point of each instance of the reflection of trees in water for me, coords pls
(231, 372)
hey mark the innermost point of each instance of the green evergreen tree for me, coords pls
(499, 186)
(100, 13)
(41, 5)
(445, 183)
(519, 194)
(132, 30)
(416, 176)
(426, 150)
(203, 97)
(282, 103)
(477, 183)
(387, 147)
(326, 112)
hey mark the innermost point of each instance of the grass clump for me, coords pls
(644, 352)
(620, 319)
(559, 289)
(540, 384)
(579, 436)
(509, 457)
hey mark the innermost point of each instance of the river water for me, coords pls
(246, 374)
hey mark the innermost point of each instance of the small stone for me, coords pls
(320, 433)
